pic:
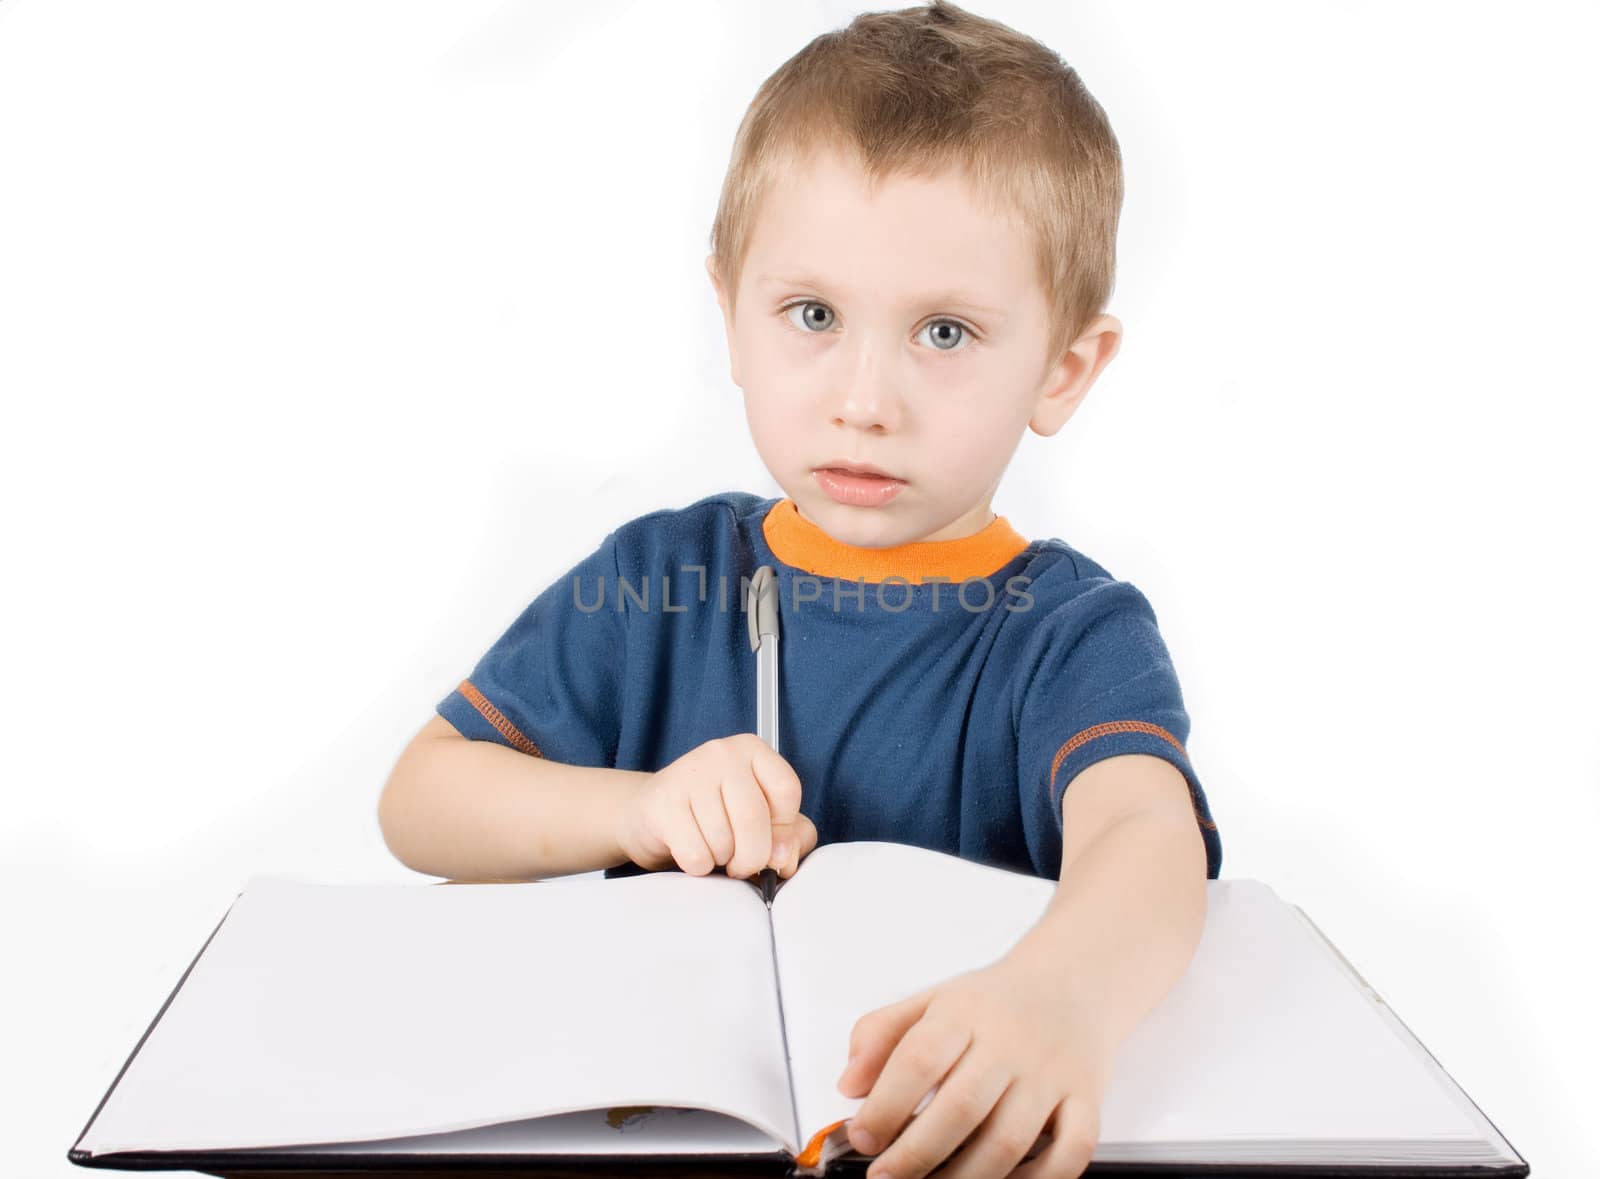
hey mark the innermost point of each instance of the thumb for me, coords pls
(800, 834)
(806, 830)
(785, 837)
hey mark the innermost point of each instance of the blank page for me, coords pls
(1265, 1038)
(343, 1013)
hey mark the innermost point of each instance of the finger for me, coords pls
(919, 1062)
(1070, 1144)
(778, 782)
(874, 1036)
(972, 1091)
(689, 847)
(688, 843)
(1009, 1134)
(746, 808)
(705, 803)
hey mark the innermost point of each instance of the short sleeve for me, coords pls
(1101, 684)
(551, 685)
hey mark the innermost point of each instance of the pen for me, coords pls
(761, 616)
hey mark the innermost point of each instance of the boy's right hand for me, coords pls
(731, 801)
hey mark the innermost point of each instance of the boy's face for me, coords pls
(908, 332)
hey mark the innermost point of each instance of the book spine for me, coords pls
(783, 1029)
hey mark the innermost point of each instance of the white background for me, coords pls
(330, 333)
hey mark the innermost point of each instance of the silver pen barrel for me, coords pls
(767, 690)
(761, 617)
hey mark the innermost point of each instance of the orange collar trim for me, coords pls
(796, 541)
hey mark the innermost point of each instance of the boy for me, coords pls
(914, 243)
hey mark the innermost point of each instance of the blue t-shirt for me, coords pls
(937, 693)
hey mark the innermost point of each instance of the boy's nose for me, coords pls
(870, 404)
(867, 380)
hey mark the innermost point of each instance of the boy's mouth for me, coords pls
(849, 468)
(858, 486)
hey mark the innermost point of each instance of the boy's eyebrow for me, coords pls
(947, 298)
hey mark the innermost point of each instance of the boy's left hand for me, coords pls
(1006, 1046)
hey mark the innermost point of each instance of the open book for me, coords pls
(669, 1017)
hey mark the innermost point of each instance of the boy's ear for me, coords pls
(1068, 382)
(727, 316)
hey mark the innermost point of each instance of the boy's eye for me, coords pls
(818, 317)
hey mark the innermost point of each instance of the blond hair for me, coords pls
(918, 91)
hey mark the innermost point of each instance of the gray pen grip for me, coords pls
(761, 616)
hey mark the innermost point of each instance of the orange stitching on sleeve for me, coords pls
(498, 719)
(1126, 726)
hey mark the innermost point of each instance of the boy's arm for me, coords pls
(478, 810)
(1130, 907)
